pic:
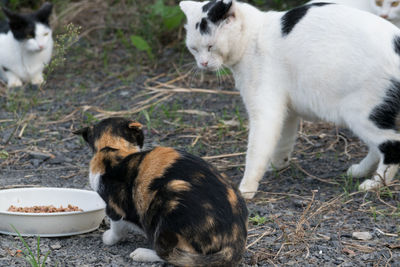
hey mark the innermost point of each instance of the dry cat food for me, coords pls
(43, 209)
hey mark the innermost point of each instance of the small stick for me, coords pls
(225, 155)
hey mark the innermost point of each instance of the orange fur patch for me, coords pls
(116, 208)
(135, 125)
(179, 185)
(184, 245)
(117, 142)
(153, 166)
(232, 198)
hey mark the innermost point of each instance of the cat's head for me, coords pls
(114, 133)
(32, 29)
(213, 29)
(387, 9)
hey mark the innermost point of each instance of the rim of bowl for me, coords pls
(41, 214)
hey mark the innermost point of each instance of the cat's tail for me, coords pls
(226, 257)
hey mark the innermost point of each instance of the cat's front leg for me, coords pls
(12, 80)
(118, 230)
(284, 149)
(37, 79)
(266, 119)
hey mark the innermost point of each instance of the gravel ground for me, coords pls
(304, 215)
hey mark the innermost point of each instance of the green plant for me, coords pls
(257, 220)
(4, 154)
(37, 260)
(349, 184)
(142, 45)
(62, 42)
(171, 16)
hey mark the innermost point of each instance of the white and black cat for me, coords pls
(317, 61)
(191, 214)
(387, 9)
(26, 46)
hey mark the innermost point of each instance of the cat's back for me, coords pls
(189, 205)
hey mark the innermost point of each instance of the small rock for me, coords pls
(40, 155)
(362, 235)
(36, 162)
(56, 246)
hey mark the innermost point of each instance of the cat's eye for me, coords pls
(209, 48)
(29, 36)
(395, 4)
(379, 2)
(194, 49)
(46, 34)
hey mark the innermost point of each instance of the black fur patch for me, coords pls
(197, 25)
(204, 29)
(4, 28)
(23, 25)
(207, 6)
(396, 43)
(384, 116)
(391, 152)
(218, 11)
(293, 16)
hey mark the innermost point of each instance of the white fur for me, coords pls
(119, 230)
(94, 181)
(145, 255)
(335, 65)
(25, 60)
(386, 10)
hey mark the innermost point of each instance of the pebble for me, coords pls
(56, 246)
(362, 235)
(40, 155)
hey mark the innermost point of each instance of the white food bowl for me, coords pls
(50, 224)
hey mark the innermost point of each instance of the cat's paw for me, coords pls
(248, 190)
(14, 83)
(110, 238)
(356, 171)
(37, 80)
(369, 184)
(144, 255)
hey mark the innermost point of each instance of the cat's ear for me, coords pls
(136, 129)
(84, 132)
(11, 15)
(43, 14)
(222, 10)
(189, 6)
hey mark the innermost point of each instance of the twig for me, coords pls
(225, 156)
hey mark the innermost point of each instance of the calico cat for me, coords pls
(317, 61)
(387, 9)
(191, 214)
(26, 45)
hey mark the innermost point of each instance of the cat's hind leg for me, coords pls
(284, 149)
(384, 143)
(388, 165)
(145, 255)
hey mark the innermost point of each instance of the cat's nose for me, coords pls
(41, 47)
(384, 16)
(204, 64)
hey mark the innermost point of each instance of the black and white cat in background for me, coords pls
(387, 9)
(317, 61)
(26, 46)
